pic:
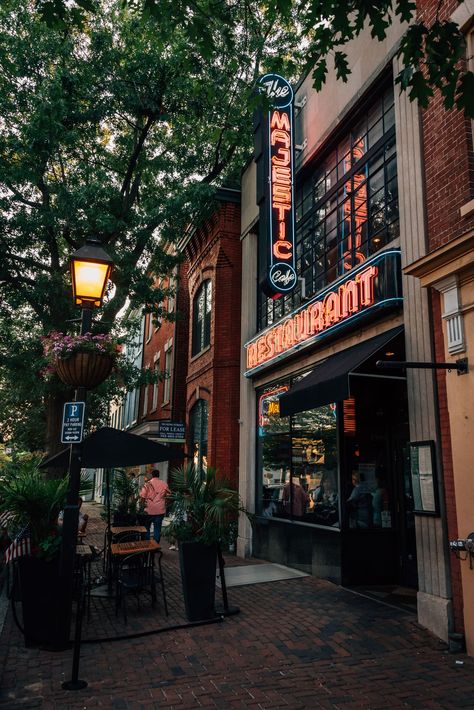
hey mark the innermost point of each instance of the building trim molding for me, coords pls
(451, 258)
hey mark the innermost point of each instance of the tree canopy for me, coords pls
(432, 51)
(112, 129)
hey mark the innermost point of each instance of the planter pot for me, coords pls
(84, 369)
(198, 575)
(41, 590)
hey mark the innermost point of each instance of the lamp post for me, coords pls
(91, 268)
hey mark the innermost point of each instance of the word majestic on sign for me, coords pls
(281, 183)
(274, 155)
(349, 298)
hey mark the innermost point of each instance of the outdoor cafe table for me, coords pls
(119, 549)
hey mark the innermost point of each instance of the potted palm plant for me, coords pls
(34, 504)
(125, 498)
(203, 511)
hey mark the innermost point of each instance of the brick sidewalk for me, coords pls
(301, 643)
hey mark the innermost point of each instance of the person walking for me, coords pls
(154, 494)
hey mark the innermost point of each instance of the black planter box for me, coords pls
(198, 575)
(41, 590)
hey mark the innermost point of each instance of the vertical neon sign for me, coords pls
(274, 155)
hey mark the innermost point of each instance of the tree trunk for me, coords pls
(54, 416)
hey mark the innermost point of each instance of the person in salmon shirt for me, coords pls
(154, 494)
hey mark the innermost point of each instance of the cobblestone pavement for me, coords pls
(300, 643)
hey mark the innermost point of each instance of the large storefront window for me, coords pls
(298, 462)
(339, 465)
(346, 209)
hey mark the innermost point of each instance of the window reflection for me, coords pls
(297, 462)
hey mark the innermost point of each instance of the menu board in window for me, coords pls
(423, 477)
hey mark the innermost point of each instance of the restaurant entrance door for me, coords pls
(378, 531)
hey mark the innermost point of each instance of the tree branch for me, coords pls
(20, 198)
(132, 163)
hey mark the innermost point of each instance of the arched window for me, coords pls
(201, 326)
(198, 434)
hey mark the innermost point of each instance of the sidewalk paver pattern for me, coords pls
(299, 643)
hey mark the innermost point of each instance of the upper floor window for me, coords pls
(150, 327)
(202, 307)
(198, 430)
(346, 208)
(168, 371)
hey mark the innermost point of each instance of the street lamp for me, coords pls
(91, 268)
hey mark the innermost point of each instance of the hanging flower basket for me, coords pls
(81, 360)
(84, 369)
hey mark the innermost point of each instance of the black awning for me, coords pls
(113, 448)
(329, 381)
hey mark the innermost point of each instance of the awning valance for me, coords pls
(329, 381)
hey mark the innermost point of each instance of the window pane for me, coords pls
(314, 453)
(201, 325)
(198, 423)
(273, 452)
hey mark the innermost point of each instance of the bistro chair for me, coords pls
(136, 575)
(126, 536)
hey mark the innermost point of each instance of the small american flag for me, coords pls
(20, 546)
(5, 518)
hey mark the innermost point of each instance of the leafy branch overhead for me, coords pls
(433, 53)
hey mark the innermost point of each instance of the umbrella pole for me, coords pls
(106, 590)
(109, 531)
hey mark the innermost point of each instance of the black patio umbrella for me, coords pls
(110, 448)
(113, 448)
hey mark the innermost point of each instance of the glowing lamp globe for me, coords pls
(91, 268)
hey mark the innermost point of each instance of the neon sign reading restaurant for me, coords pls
(373, 284)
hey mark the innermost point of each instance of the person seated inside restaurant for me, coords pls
(325, 500)
(269, 507)
(298, 498)
(83, 519)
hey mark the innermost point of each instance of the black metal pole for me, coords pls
(106, 590)
(109, 534)
(75, 683)
(227, 610)
(70, 528)
(461, 365)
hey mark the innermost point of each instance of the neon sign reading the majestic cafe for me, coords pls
(274, 155)
(372, 285)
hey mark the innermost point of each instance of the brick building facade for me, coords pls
(447, 272)
(212, 251)
(164, 342)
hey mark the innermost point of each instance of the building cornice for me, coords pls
(223, 195)
(451, 258)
